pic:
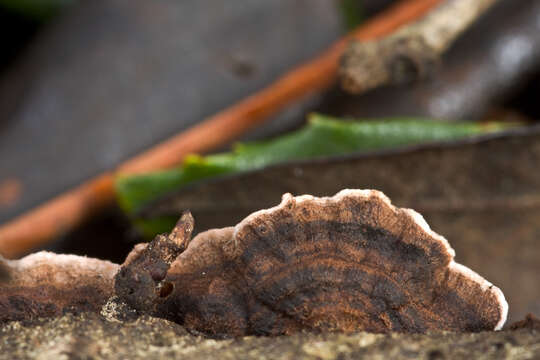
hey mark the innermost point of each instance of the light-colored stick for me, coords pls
(413, 51)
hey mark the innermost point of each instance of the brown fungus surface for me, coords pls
(352, 262)
(140, 281)
(47, 285)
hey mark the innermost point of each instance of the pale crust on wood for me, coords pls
(46, 284)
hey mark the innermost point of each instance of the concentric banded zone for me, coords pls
(351, 262)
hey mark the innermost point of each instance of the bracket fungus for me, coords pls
(46, 284)
(351, 262)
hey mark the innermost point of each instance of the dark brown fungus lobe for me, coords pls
(530, 322)
(140, 279)
(352, 262)
(46, 284)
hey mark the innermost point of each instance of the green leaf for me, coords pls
(323, 136)
(352, 13)
(37, 9)
(135, 191)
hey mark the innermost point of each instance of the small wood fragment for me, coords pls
(410, 53)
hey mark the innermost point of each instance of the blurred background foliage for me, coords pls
(39, 10)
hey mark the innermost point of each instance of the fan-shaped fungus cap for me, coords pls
(46, 284)
(352, 262)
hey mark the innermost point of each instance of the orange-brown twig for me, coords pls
(68, 210)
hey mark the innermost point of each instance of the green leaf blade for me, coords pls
(323, 136)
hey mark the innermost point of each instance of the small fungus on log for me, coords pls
(46, 285)
(352, 262)
(140, 280)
